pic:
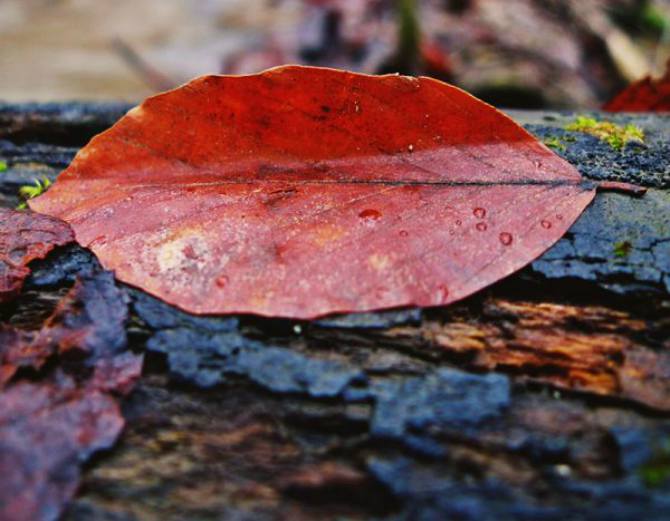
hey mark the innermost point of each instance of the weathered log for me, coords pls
(546, 396)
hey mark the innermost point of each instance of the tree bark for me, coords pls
(545, 396)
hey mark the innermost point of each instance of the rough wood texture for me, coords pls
(546, 396)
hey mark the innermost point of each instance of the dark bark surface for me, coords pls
(545, 396)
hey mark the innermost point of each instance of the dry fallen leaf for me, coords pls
(24, 237)
(302, 191)
(54, 416)
(645, 95)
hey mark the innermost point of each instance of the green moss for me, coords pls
(26, 192)
(622, 249)
(656, 471)
(555, 143)
(617, 136)
(3, 166)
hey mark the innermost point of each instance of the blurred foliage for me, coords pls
(512, 53)
(656, 471)
(643, 17)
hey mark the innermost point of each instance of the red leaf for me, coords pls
(302, 191)
(645, 95)
(24, 237)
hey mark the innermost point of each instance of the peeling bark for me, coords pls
(545, 396)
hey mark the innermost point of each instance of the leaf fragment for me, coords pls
(24, 237)
(645, 95)
(53, 422)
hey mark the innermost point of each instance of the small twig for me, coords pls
(149, 74)
(617, 186)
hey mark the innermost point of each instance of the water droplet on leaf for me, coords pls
(545, 224)
(479, 213)
(506, 238)
(370, 214)
(481, 227)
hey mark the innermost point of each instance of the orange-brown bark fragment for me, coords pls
(582, 348)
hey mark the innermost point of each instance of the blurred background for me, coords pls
(512, 53)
